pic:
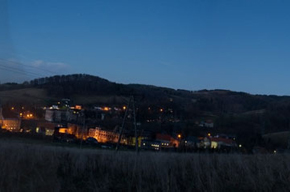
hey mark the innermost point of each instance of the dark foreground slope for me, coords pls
(43, 168)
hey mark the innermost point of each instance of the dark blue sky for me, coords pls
(186, 44)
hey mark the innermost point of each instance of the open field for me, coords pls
(27, 167)
(278, 138)
(39, 96)
(27, 95)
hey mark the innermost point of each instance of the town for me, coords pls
(110, 127)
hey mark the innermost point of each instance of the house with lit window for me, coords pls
(147, 144)
(166, 140)
(221, 142)
(9, 121)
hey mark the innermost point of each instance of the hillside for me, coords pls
(231, 112)
(25, 95)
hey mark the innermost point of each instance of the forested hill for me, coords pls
(228, 109)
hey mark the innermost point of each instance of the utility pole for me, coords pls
(131, 100)
(288, 147)
(135, 126)
(83, 127)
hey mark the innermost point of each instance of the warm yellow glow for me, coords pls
(12, 108)
(208, 134)
(214, 144)
(29, 115)
(154, 145)
(106, 108)
(124, 107)
(78, 107)
(20, 114)
(161, 110)
(179, 136)
(104, 136)
(62, 130)
(49, 132)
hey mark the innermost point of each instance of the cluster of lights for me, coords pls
(155, 145)
(106, 108)
(29, 115)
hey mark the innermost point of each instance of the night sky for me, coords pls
(240, 45)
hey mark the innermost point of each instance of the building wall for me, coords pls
(104, 136)
(59, 115)
(11, 124)
(49, 115)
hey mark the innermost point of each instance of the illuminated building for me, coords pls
(167, 140)
(10, 121)
(104, 136)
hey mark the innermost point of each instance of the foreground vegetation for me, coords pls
(27, 167)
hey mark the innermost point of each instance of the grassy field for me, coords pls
(278, 138)
(28, 95)
(39, 96)
(31, 167)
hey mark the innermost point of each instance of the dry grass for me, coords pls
(278, 138)
(26, 95)
(27, 167)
